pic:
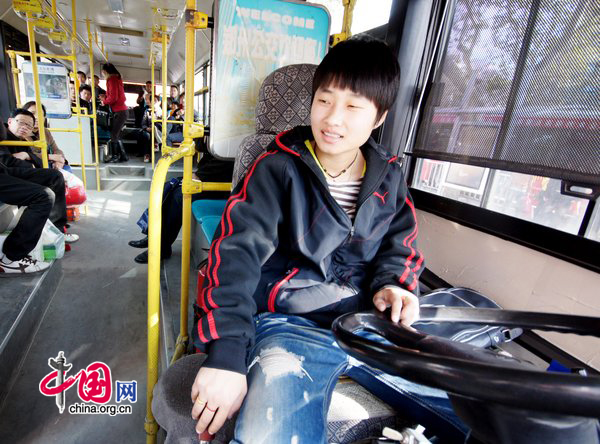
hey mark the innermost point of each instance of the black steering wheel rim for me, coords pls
(469, 375)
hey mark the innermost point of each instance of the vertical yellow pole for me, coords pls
(190, 61)
(77, 103)
(94, 116)
(38, 99)
(165, 88)
(152, 112)
(15, 73)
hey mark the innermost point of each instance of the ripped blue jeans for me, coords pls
(292, 371)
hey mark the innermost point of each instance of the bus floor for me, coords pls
(98, 313)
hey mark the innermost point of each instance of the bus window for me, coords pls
(594, 228)
(364, 17)
(532, 198)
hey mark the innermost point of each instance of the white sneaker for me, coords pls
(26, 265)
(71, 238)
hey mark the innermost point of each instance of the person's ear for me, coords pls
(381, 120)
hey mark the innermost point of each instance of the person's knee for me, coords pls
(57, 180)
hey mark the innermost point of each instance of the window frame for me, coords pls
(405, 17)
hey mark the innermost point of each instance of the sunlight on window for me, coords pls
(368, 14)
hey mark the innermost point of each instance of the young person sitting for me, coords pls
(85, 98)
(19, 128)
(42, 192)
(322, 224)
(22, 160)
(56, 157)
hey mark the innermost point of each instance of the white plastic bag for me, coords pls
(51, 244)
(71, 180)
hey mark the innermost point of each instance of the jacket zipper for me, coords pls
(276, 287)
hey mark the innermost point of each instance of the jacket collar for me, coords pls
(377, 158)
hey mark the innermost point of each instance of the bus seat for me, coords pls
(284, 102)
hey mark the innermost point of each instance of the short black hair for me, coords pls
(364, 65)
(149, 81)
(18, 111)
(85, 88)
(82, 73)
(31, 103)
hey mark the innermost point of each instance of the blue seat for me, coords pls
(208, 214)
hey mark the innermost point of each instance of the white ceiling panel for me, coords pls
(138, 15)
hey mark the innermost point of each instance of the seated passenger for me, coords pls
(210, 169)
(42, 192)
(97, 88)
(56, 157)
(85, 98)
(82, 77)
(322, 225)
(175, 131)
(144, 135)
(20, 126)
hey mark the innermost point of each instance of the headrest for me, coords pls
(284, 99)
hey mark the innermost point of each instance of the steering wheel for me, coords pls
(498, 396)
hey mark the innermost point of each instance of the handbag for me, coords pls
(478, 335)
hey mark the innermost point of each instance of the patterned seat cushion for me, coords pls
(284, 102)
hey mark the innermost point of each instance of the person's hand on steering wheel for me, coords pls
(405, 305)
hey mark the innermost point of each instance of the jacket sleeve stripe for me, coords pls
(200, 332)
(211, 325)
(226, 231)
(408, 243)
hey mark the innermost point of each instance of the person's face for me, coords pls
(81, 78)
(33, 110)
(85, 95)
(104, 74)
(96, 81)
(72, 91)
(21, 126)
(174, 92)
(341, 120)
(149, 87)
(101, 97)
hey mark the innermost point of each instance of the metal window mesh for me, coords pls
(519, 99)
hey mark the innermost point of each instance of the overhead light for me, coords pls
(116, 6)
(124, 41)
(126, 54)
(121, 31)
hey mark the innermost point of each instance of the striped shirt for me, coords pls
(346, 195)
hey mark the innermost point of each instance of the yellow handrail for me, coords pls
(154, 230)
(77, 103)
(93, 115)
(15, 73)
(36, 82)
(152, 141)
(164, 86)
(187, 151)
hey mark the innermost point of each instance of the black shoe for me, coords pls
(142, 258)
(142, 243)
(123, 157)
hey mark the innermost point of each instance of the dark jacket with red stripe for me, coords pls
(285, 245)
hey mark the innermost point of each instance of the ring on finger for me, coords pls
(210, 410)
(200, 402)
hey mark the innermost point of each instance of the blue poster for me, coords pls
(252, 39)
